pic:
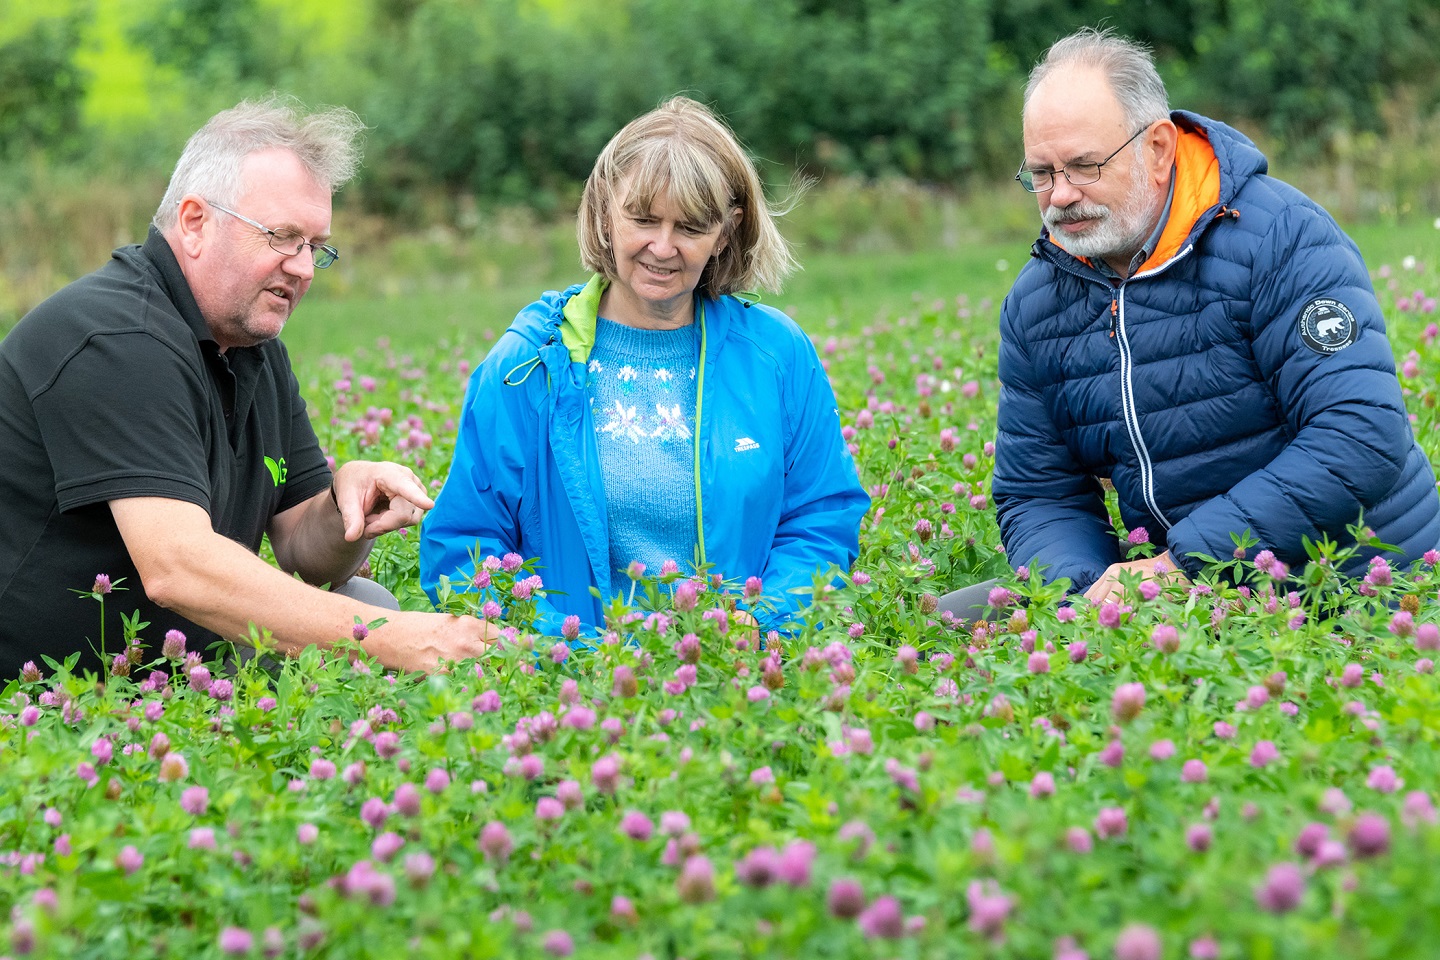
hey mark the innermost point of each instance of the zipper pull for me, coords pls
(1114, 315)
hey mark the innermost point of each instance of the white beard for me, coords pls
(1118, 233)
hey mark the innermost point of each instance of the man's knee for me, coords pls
(969, 604)
(367, 591)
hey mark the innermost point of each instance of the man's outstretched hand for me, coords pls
(1109, 587)
(376, 497)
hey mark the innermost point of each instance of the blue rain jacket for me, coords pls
(777, 492)
(1220, 388)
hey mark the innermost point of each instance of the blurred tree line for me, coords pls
(511, 100)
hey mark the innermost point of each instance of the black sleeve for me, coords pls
(123, 417)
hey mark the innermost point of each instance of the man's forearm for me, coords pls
(186, 567)
(314, 545)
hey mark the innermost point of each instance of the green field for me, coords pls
(834, 289)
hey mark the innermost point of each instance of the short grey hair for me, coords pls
(327, 143)
(1126, 64)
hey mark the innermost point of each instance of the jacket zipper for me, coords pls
(699, 409)
(1127, 389)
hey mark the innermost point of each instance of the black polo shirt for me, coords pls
(113, 388)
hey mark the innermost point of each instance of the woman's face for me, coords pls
(659, 257)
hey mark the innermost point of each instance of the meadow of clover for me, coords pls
(1203, 771)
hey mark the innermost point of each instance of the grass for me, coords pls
(835, 288)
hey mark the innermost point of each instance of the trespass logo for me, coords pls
(278, 471)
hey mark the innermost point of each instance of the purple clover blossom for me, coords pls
(696, 882)
(1264, 754)
(129, 859)
(1283, 888)
(1138, 942)
(636, 826)
(495, 842)
(1000, 598)
(236, 941)
(1369, 835)
(173, 767)
(174, 646)
(1165, 638)
(1138, 536)
(386, 846)
(904, 777)
(883, 919)
(407, 800)
(1111, 822)
(1078, 840)
(102, 584)
(845, 898)
(989, 909)
(1382, 778)
(796, 862)
(1418, 808)
(195, 801)
(558, 943)
(1128, 701)
(1109, 615)
(375, 812)
(758, 868)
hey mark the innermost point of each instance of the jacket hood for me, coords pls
(571, 314)
(568, 314)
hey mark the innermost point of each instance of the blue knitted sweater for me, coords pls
(641, 388)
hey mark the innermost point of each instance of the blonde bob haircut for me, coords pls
(681, 149)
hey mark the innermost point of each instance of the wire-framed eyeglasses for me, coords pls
(1077, 172)
(287, 241)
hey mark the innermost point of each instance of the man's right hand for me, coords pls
(211, 580)
(421, 641)
(1109, 587)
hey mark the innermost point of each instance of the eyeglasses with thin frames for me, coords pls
(1078, 173)
(286, 241)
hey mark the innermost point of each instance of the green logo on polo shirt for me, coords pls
(277, 470)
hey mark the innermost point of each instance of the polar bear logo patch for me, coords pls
(1327, 326)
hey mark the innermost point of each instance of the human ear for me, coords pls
(190, 225)
(1160, 146)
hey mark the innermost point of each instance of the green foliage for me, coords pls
(1062, 773)
(1309, 69)
(41, 89)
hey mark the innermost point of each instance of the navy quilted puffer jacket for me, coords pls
(1218, 388)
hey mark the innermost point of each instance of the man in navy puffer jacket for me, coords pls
(1201, 334)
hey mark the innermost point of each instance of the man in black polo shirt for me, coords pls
(152, 429)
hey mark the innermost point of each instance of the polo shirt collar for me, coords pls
(157, 250)
(236, 371)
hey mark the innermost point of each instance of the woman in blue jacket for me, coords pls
(650, 415)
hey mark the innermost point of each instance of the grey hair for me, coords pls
(327, 143)
(1126, 64)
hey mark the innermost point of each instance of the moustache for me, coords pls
(1075, 213)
